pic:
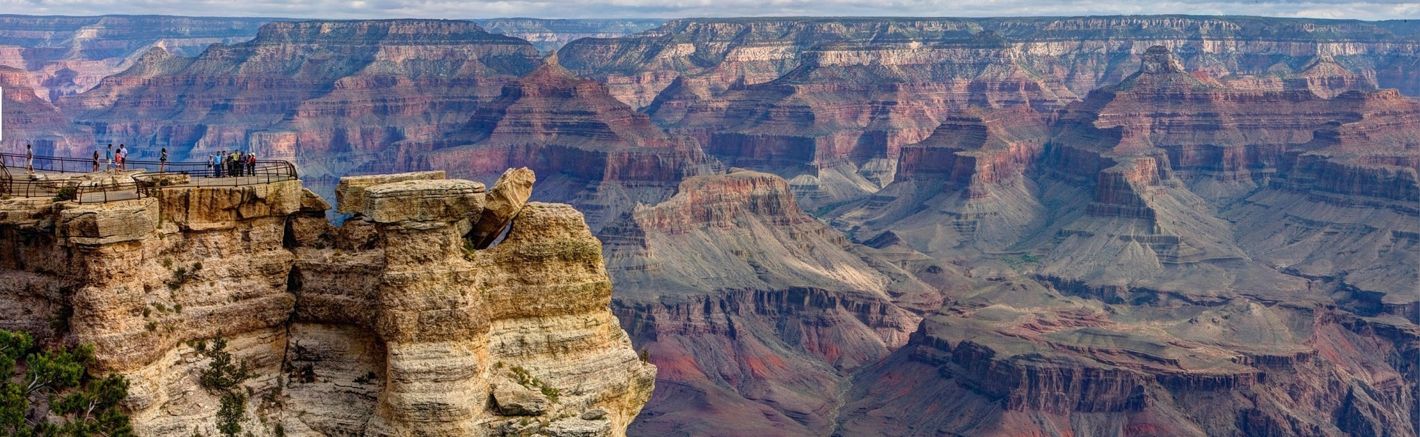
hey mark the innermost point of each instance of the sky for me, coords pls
(1365, 10)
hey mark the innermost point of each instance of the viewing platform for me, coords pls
(74, 179)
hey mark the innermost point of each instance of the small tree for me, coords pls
(223, 377)
(78, 402)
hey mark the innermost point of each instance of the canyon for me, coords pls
(1136, 225)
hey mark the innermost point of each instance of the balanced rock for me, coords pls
(508, 196)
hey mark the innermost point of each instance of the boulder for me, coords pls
(513, 399)
(312, 203)
(443, 200)
(508, 196)
(350, 194)
(594, 414)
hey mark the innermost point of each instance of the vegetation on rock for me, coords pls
(50, 392)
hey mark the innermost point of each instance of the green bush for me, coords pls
(66, 193)
(78, 402)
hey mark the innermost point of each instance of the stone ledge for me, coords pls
(107, 223)
(350, 194)
(445, 200)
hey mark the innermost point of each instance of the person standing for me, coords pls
(108, 156)
(211, 172)
(163, 161)
(251, 164)
(96, 160)
(29, 158)
(220, 161)
(122, 157)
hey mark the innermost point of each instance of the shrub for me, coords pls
(78, 403)
(66, 193)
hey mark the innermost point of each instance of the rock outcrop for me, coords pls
(755, 312)
(390, 324)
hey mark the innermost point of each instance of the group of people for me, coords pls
(115, 159)
(234, 163)
(229, 164)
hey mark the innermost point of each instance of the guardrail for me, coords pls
(155, 175)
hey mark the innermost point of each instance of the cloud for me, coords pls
(1366, 10)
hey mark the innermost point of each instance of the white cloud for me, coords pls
(1368, 10)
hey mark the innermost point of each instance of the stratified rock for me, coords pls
(448, 200)
(69, 55)
(730, 271)
(578, 427)
(386, 325)
(103, 223)
(513, 399)
(30, 119)
(350, 194)
(374, 83)
(549, 35)
(506, 199)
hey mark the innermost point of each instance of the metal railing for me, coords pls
(152, 176)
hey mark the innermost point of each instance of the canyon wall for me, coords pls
(69, 55)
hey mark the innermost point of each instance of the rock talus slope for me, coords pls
(389, 324)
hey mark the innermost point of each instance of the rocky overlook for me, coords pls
(405, 319)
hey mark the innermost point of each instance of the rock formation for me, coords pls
(390, 324)
(1082, 53)
(756, 312)
(29, 119)
(1171, 279)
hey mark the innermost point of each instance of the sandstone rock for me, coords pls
(577, 427)
(513, 399)
(508, 196)
(109, 223)
(594, 414)
(383, 326)
(312, 203)
(447, 200)
(211, 208)
(350, 195)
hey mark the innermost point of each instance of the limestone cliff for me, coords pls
(394, 323)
